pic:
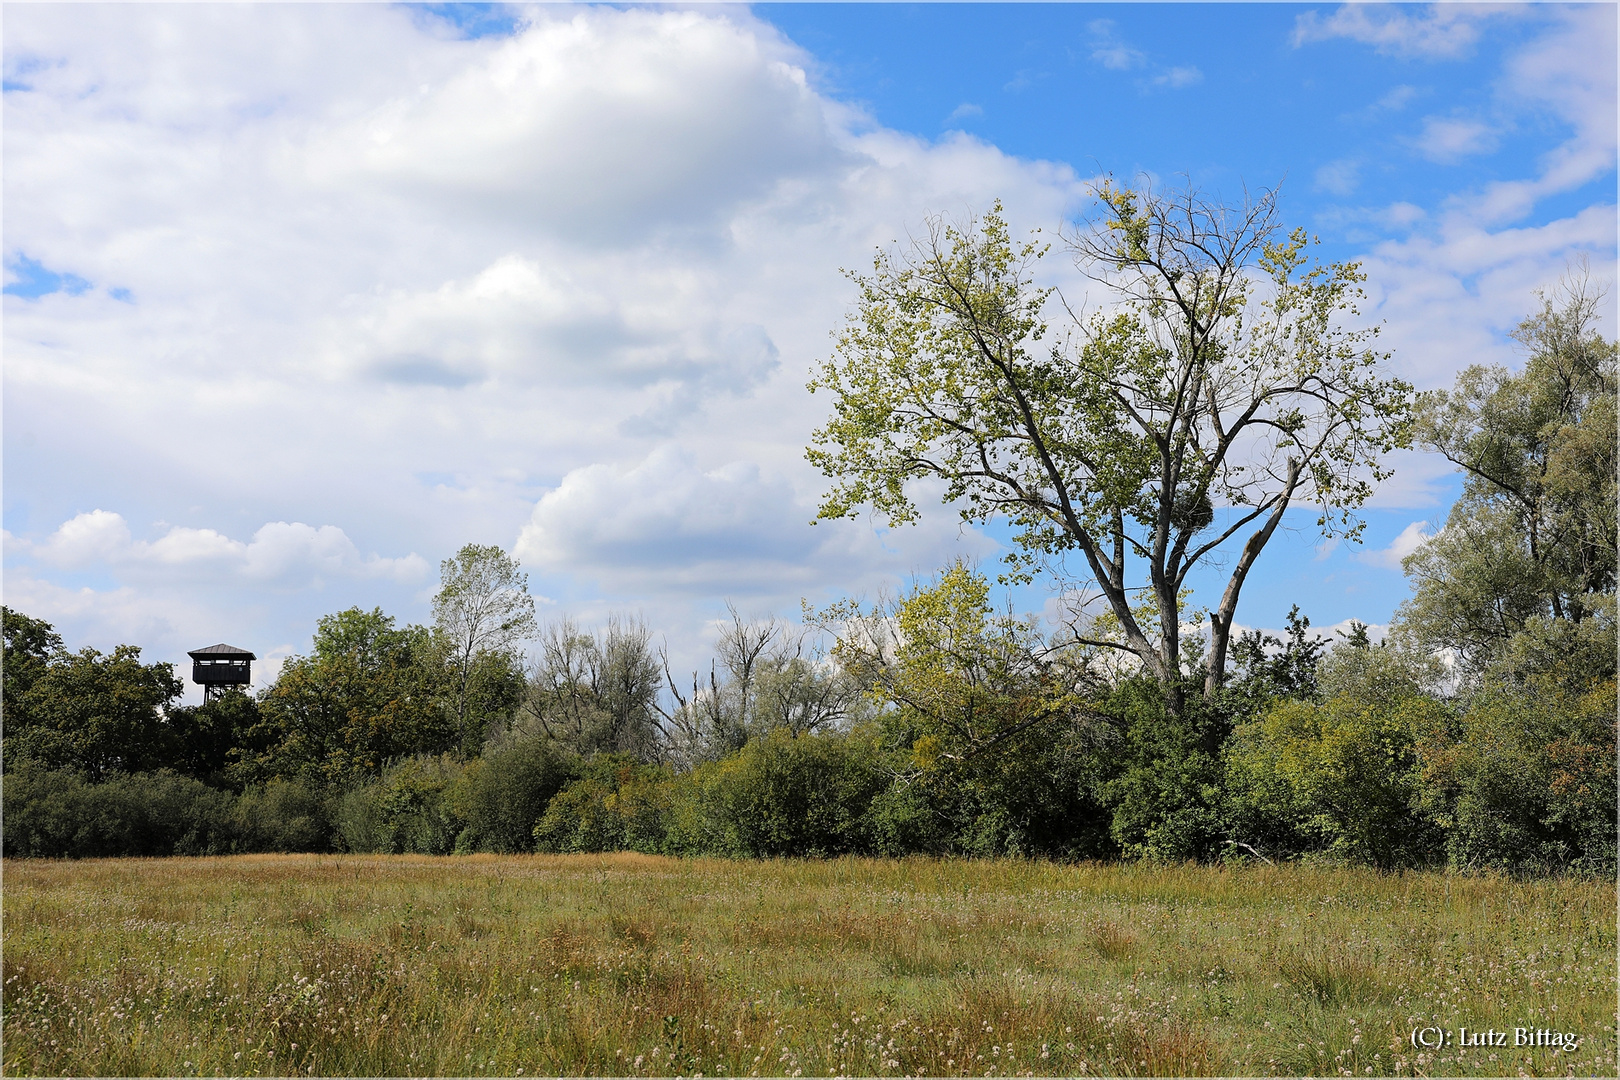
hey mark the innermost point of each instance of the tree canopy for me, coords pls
(482, 613)
(1533, 535)
(93, 712)
(1224, 377)
(369, 692)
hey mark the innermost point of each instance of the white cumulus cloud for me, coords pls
(289, 554)
(1409, 540)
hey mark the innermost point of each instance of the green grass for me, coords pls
(635, 965)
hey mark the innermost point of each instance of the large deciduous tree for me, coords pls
(1224, 375)
(766, 677)
(369, 692)
(1533, 535)
(481, 615)
(97, 713)
(598, 693)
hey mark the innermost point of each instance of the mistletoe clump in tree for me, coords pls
(1223, 376)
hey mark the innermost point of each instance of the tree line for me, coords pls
(1129, 447)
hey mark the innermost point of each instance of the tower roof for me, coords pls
(220, 650)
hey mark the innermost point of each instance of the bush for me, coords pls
(1341, 778)
(1166, 799)
(915, 817)
(282, 815)
(357, 820)
(789, 794)
(504, 794)
(57, 814)
(1526, 783)
(410, 809)
(619, 804)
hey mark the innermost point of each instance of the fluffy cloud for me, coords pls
(1409, 540)
(596, 128)
(330, 263)
(1448, 296)
(665, 524)
(286, 554)
(666, 514)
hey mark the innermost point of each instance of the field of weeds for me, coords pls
(633, 965)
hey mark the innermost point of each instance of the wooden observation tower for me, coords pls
(218, 668)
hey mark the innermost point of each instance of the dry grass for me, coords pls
(633, 965)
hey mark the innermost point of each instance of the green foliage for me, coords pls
(593, 694)
(1526, 779)
(1266, 669)
(410, 809)
(1165, 797)
(1562, 654)
(1534, 532)
(619, 804)
(481, 615)
(789, 794)
(1380, 676)
(95, 713)
(503, 794)
(282, 815)
(206, 740)
(990, 730)
(1227, 349)
(58, 814)
(766, 677)
(30, 645)
(1342, 776)
(963, 681)
(368, 694)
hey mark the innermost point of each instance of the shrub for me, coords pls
(409, 809)
(1341, 778)
(282, 815)
(618, 804)
(57, 814)
(913, 816)
(357, 820)
(504, 794)
(790, 794)
(1526, 782)
(1166, 797)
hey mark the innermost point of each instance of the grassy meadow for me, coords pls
(636, 965)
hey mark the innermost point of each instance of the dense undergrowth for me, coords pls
(1520, 780)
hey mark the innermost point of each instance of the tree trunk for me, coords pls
(1220, 620)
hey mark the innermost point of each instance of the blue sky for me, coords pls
(300, 298)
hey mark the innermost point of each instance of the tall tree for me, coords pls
(367, 693)
(481, 614)
(1223, 376)
(766, 676)
(597, 693)
(30, 646)
(93, 712)
(1533, 534)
